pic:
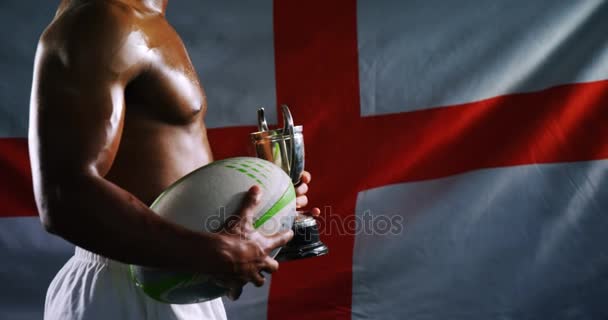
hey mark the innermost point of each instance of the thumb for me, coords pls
(278, 240)
(251, 201)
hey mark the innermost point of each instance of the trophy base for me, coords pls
(306, 242)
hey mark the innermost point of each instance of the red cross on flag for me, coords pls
(458, 152)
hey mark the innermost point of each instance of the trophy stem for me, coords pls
(306, 242)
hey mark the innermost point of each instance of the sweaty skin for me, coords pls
(116, 117)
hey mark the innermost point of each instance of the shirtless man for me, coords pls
(116, 117)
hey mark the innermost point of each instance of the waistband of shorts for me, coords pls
(85, 255)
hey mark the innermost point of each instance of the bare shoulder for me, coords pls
(95, 33)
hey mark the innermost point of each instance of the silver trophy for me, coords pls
(285, 148)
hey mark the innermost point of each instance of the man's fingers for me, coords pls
(278, 240)
(302, 188)
(252, 199)
(301, 201)
(258, 279)
(270, 265)
(306, 177)
(314, 212)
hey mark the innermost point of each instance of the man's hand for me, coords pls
(245, 250)
(301, 198)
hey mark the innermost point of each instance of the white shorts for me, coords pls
(90, 286)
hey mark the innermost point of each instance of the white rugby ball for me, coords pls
(202, 201)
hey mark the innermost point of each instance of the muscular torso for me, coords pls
(116, 116)
(163, 136)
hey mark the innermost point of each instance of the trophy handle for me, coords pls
(288, 130)
(262, 124)
(288, 121)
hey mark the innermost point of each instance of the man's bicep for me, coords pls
(76, 118)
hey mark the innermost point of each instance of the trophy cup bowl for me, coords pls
(285, 148)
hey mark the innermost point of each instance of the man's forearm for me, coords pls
(99, 216)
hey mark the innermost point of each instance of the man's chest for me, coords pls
(169, 86)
